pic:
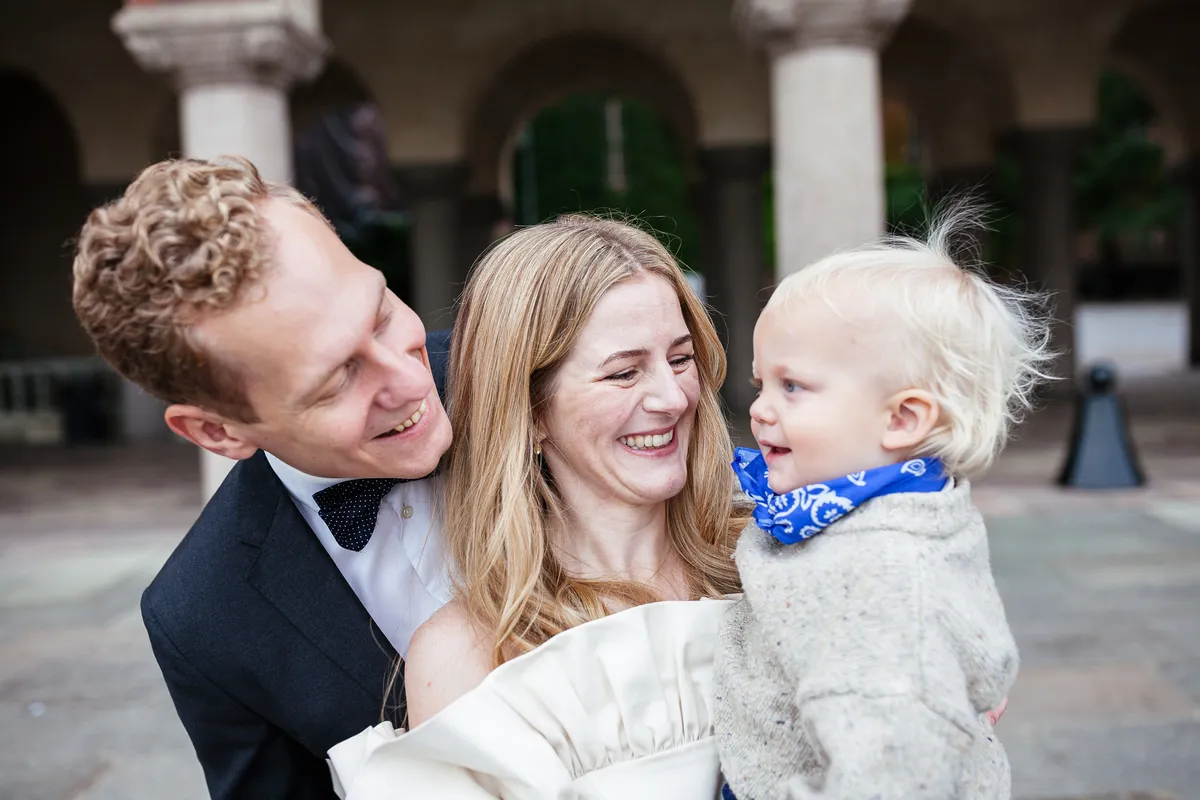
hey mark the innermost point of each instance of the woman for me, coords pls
(591, 477)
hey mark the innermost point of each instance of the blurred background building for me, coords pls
(753, 135)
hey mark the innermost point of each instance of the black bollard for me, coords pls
(1102, 454)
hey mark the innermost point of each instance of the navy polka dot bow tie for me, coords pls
(350, 508)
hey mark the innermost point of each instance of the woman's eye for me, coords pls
(682, 361)
(627, 375)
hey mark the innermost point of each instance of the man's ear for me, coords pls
(914, 413)
(210, 431)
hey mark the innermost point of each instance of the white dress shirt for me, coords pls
(401, 577)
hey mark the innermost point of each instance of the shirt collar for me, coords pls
(300, 485)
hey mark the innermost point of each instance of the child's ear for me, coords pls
(913, 414)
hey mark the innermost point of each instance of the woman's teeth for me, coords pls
(415, 418)
(648, 442)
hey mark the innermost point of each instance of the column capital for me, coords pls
(793, 24)
(271, 42)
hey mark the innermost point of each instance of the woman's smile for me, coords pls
(651, 443)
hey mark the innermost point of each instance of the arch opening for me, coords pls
(607, 153)
(340, 160)
(44, 205)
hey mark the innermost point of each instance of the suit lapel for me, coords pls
(298, 577)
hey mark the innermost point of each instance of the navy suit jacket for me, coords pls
(267, 652)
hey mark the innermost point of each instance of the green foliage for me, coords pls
(561, 160)
(1122, 191)
(1121, 184)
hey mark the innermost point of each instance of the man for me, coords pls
(278, 620)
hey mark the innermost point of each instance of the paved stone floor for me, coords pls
(1102, 591)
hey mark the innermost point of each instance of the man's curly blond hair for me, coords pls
(187, 238)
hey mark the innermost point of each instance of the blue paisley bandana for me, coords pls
(802, 514)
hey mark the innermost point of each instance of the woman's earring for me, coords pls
(537, 449)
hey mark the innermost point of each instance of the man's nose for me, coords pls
(404, 377)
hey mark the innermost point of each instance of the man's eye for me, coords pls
(349, 371)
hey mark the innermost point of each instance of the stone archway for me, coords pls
(537, 77)
(44, 206)
(950, 81)
(339, 145)
(960, 95)
(1156, 47)
(340, 152)
(339, 160)
(336, 87)
(726, 183)
(553, 69)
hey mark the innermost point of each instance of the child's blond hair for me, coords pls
(979, 347)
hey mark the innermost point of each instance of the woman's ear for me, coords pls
(914, 413)
(208, 430)
(540, 436)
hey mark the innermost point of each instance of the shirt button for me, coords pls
(406, 512)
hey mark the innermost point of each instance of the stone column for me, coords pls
(1047, 158)
(1188, 175)
(732, 216)
(434, 195)
(826, 124)
(232, 62)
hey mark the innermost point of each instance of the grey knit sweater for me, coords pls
(859, 663)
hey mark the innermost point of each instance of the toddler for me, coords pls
(871, 640)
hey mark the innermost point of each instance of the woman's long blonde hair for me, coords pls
(520, 316)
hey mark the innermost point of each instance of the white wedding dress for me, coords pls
(617, 708)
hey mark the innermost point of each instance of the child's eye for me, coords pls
(789, 387)
(757, 384)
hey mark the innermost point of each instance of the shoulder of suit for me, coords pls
(213, 555)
